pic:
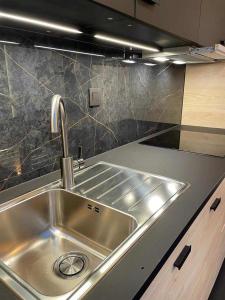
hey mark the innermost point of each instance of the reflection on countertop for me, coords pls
(200, 140)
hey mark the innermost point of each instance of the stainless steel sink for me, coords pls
(37, 232)
(57, 244)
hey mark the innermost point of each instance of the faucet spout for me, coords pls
(58, 115)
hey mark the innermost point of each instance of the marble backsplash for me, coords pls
(136, 99)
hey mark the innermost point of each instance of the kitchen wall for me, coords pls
(135, 100)
(204, 95)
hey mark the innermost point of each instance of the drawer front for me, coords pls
(197, 269)
(216, 250)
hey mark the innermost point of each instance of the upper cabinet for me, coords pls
(212, 22)
(124, 6)
(197, 21)
(179, 17)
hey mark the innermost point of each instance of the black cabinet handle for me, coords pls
(182, 257)
(215, 204)
(152, 2)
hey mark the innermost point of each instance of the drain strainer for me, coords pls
(70, 265)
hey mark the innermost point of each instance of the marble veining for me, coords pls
(135, 101)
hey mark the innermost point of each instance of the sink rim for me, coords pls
(17, 201)
(27, 292)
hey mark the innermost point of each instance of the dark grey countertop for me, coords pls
(203, 173)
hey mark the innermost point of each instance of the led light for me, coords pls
(125, 43)
(72, 51)
(129, 61)
(9, 42)
(179, 62)
(150, 64)
(161, 59)
(38, 22)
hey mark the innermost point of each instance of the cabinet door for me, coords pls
(179, 17)
(212, 22)
(195, 279)
(124, 6)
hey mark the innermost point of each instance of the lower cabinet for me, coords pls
(191, 270)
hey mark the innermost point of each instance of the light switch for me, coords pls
(95, 97)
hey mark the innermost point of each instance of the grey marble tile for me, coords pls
(135, 101)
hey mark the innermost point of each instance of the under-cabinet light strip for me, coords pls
(38, 22)
(179, 62)
(66, 50)
(9, 42)
(125, 43)
(129, 61)
(161, 59)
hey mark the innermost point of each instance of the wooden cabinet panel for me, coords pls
(204, 96)
(215, 253)
(180, 17)
(124, 6)
(212, 22)
(195, 279)
(202, 142)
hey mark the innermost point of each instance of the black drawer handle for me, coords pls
(182, 257)
(215, 204)
(152, 2)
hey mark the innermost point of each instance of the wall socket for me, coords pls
(95, 97)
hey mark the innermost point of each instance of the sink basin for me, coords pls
(58, 244)
(37, 234)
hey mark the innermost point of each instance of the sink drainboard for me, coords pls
(132, 192)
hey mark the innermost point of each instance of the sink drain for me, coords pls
(70, 265)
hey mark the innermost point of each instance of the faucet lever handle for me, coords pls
(80, 162)
(80, 152)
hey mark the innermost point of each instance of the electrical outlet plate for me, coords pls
(95, 97)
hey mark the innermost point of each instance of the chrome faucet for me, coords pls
(58, 113)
